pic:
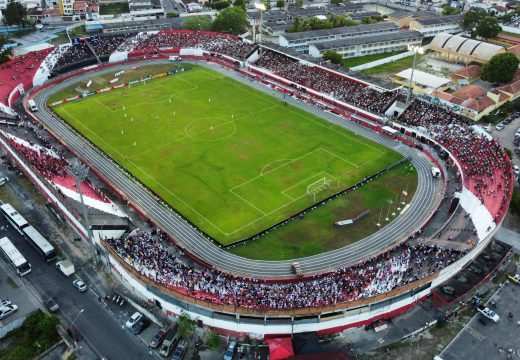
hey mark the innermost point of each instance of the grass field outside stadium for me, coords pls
(231, 159)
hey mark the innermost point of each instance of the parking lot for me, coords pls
(13, 289)
(484, 340)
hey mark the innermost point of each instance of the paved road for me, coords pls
(424, 201)
(102, 331)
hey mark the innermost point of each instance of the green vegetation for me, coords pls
(488, 27)
(11, 283)
(501, 113)
(333, 57)
(62, 37)
(501, 68)
(213, 340)
(231, 20)
(448, 10)
(15, 14)
(102, 81)
(478, 23)
(186, 324)
(355, 61)
(313, 23)
(315, 233)
(515, 202)
(37, 334)
(114, 8)
(231, 159)
(392, 67)
(5, 53)
(197, 23)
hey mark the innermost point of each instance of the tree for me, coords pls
(5, 53)
(298, 3)
(240, 3)
(280, 4)
(186, 324)
(489, 27)
(231, 20)
(333, 57)
(213, 340)
(448, 10)
(219, 5)
(515, 202)
(501, 68)
(471, 18)
(197, 23)
(15, 14)
(336, 2)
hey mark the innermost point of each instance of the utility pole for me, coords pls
(79, 172)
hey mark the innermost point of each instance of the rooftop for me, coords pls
(370, 39)
(437, 20)
(416, 14)
(424, 79)
(341, 30)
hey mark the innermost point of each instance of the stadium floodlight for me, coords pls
(260, 6)
(415, 49)
(79, 172)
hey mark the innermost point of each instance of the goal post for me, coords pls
(318, 186)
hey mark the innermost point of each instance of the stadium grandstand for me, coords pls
(382, 285)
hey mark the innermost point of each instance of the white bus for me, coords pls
(16, 259)
(13, 217)
(44, 248)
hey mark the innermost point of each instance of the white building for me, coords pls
(300, 41)
(367, 45)
(435, 25)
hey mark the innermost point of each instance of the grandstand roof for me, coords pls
(465, 47)
(341, 30)
(371, 39)
(423, 78)
(172, 23)
(437, 20)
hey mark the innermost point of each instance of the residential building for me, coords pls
(464, 50)
(431, 26)
(367, 45)
(66, 7)
(466, 75)
(300, 41)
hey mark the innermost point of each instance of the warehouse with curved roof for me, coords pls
(465, 50)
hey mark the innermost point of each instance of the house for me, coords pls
(466, 75)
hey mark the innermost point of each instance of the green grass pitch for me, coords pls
(231, 159)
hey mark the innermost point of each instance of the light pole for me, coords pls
(261, 7)
(79, 172)
(415, 49)
(76, 318)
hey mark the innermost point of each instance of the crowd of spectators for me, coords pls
(107, 44)
(212, 42)
(485, 163)
(68, 55)
(149, 255)
(327, 82)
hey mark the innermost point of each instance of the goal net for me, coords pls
(318, 186)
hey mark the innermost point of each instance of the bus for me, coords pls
(16, 259)
(44, 248)
(13, 217)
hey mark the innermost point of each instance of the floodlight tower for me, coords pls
(415, 49)
(79, 172)
(260, 6)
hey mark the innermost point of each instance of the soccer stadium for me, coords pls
(281, 196)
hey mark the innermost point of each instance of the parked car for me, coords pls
(80, 285)
(516, 170)
(514, 278)
(159, 337)
(7, 310)
(142, 324)
(230, 350)
(448, 290)
(488, 313)
(74, 333)
(475, 269)
(180, 351)
(4, 302)
(51, 304)
(500, 127)
(4, 180)
(133, 320)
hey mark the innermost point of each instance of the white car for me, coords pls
(4, 302)
(500, 127)
(488, 313)
(7, 310)
(134, 319)
(516, 170)
(80, 285)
